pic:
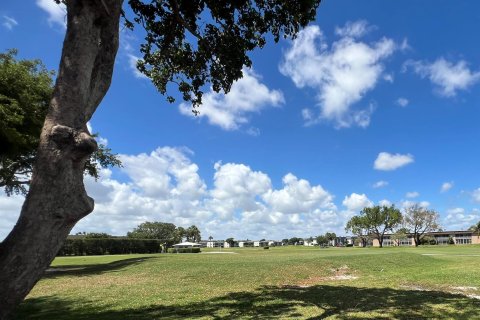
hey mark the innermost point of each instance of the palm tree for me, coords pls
(210, 238)
(193, 234)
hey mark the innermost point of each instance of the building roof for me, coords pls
(186, 244)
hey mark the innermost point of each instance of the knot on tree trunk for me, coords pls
(79, 143)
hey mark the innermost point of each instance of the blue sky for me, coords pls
(376, 102)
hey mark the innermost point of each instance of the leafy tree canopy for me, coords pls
(193, 234)
(330, 236)
(26, 88)
(167, 232)
(358, 226)
(322, 240)
(194, 42)
(154, 230)
(419, 221)
(475, 228)
(295, 240)
(374, 221)
(97, 235)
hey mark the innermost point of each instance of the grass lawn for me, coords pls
(435, 282)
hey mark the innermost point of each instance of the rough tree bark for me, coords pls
(57, 198)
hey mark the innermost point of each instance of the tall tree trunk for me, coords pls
(57, 199)
(416, 239)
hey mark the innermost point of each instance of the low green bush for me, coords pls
(265, 248)
(428, 240)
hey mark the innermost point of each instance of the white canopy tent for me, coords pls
(187, 245)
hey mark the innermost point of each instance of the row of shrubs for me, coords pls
(183, 250)
(86, 247)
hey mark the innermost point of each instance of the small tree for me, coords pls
(475, 229)
(193, 234)
(230, 241)
(167, 232)
(180, 234)
(358, 227)
(330, 236)
(294, 240)
(381, 219)
(419, 221)
(399, 235)
(322, 240)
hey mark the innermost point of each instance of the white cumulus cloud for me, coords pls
(476, 195)
(341, 74)
(230, 111)
(57, 13)
(409, 203)
(298, 196)
(458, 219)
(380, 184)
(132, 64)
(387, 162)
(385, 203)
(412, 194)
(236, 189)
(402, 102)
(353, 29)
(356, 202)
(9, 211)
(165, 185)
(446, 186)
(448, 77)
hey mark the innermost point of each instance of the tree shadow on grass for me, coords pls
(93, 269)
(273, 302)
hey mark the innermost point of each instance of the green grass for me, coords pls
(436, 282)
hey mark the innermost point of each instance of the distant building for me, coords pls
(262, 243)
(441, 238)
(187, 245)
(215, 243)
(233, 245)
(245, 243)
(275, 243)
(310, 243)
(342, 241)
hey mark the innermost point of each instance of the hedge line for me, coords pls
(86, 247)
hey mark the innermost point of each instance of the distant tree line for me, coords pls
(148, 237)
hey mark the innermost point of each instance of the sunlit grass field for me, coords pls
(433, 282)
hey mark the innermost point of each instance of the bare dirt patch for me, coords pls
(339, 274)
(469, 292)
(453, 255)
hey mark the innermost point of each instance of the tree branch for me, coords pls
(14, 183)
(181, 21)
